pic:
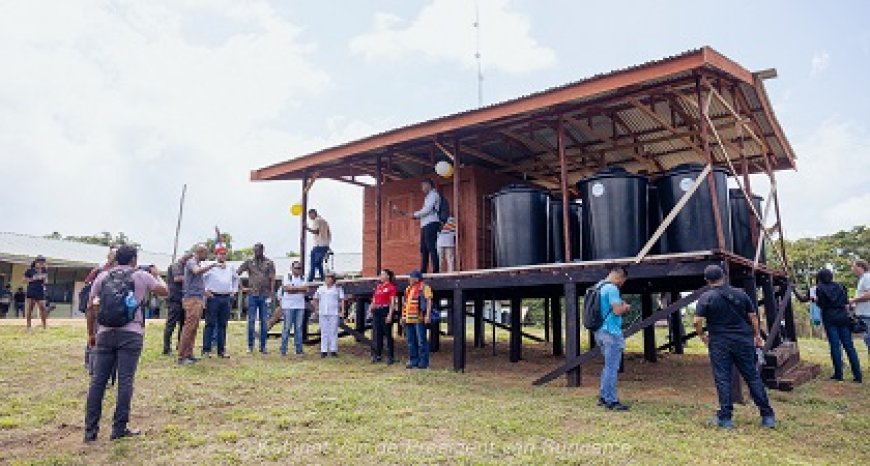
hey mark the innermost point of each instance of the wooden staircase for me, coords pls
(784, 370)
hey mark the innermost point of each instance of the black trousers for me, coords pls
(174, 316)
(428, 247)
(119, 348)
(382, 330)
(726, 353)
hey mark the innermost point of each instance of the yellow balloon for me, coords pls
(444, 169)
(296, 209)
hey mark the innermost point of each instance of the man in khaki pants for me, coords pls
(193, 302)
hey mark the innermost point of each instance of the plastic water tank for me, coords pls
(694, 228)
(557, 231)
(520, 226)
(742, 219)
(615, 211)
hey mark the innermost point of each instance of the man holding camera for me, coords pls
(116, 329)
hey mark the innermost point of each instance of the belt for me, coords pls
(223, 295)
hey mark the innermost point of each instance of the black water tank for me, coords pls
(694, 228)
(557, 232)
(655, 219)
(520, 226)
(615, 214)
(742, 219)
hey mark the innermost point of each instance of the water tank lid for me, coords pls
(517, 188)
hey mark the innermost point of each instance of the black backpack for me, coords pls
(443, 209)
(592, 318)
(113, 299)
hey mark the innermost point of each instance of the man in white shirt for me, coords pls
(329, 302)
(293, 306)
(430, 226)
(861, 301)
(221, 285)
(322, 238)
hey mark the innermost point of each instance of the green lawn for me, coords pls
(256, 409)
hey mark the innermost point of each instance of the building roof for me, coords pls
(644, 118)
(22, 249)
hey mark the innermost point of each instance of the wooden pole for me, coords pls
(711, 179)
(178, 224)
(458, 330)
(302, 232)
(573, 332)
(547, 319)
(649, 333)
(563, 180)
(516, 337)
(457, 256)
(556, 309)
(378, 214)
(675, 325)
(478, 323)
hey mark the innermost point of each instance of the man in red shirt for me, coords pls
(381, 311)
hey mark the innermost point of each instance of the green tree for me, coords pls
(103, 239)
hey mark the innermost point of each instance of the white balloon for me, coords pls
(444, 168)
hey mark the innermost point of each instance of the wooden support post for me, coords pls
(769, 299)
(478, 323)
(378, 214)
(790, 331)
(434, 328)
(711, 179)
(458, 330)
(675, 326)
(557, 326)
(572, 327)
(450, 318)
(516, 338)
(455, 207)
(302, 220)
(547, 319)
(649, 333)
(563, 180)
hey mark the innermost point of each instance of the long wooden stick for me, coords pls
(178, 225)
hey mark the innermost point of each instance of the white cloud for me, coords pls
(819, 63)
(444, 30)
(831, 189)
(107, 107)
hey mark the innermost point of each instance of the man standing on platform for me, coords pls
(430, 225)
(609, 337)
(261, 283)
(322, 239)
(193, 302)
(732, 325)
(416, 313)
(221, 284)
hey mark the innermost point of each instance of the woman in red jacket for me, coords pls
(382, 311)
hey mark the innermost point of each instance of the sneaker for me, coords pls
(323, 355)
(333, 354)
(193, 358)
(186, 361)
(90, 437)
(264, 352)
(300, 353)
(126, 433)
(410, 366)
(617, 406)
(768, 422)
(601, 401)
(250, 350)
(206, 354)
(376, 359)
(391, 361)
(858, 380)
(223, 356)
(722, 423)
(835, 378)
(166, 352)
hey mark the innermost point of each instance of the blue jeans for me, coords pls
(217, 315)
(294, 317)
(257, 307)
(866, 320)
(726, 353)
(611, 347)
(418, 345)
(840, 336)
(318, 255)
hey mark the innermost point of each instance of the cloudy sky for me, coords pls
(107, 107)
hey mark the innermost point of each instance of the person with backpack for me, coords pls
(732, 336)
(602, 313)
(416, 314)
(432, 215)
(833, 300)
(116, 328)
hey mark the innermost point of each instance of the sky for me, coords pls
(108, 107)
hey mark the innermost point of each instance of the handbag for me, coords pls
(857, 324)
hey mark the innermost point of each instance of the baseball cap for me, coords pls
(416, 274)
(713, 273)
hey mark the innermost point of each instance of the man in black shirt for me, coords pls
(175, 313)
(732, 324)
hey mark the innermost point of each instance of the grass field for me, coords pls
(254, 409)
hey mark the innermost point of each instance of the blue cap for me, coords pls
(416, 274)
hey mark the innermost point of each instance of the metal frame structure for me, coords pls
(697, 107)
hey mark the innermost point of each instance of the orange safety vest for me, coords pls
(411, 311)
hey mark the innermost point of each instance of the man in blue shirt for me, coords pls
(609, 336)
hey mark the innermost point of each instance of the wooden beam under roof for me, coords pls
(664, 123)
(592, 133)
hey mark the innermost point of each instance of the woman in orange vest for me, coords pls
(416, 313)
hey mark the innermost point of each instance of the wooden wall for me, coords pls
(401, 236)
